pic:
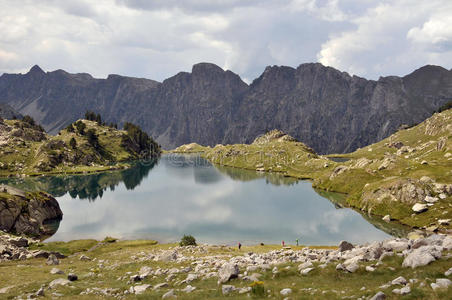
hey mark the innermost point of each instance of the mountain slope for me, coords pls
(329, 110)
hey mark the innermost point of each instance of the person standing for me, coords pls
(283, 244)
(297, 242)
(240, 246)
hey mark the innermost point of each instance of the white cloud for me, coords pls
(387, 39)
(156, 39)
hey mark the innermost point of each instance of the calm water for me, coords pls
(187, 195)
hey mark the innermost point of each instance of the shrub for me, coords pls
(70, 128)
(92, 138)
(257, 289)
(80, 127)
(187, 240)
(73, 143)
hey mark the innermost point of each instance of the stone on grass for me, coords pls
(84, 258)
(160, 285)
(144, 272)
(228, 271)
(140, 289)
(387, 218)
(306, 271)
(399, 280)
(188, 289)
(421, 256)
(191, 277)
(286, 292)
(441, 283)
(419, 207)
(72, 277)
(379, 296)
(403, 291)
(344, 246)
(352, 267)
(227, 289)
(430, 199)
(52, 260)
(59, 281)
(40, 292)
(370, 269)
(305, 265)
(448, 272)
(169, 294)
(56, 271)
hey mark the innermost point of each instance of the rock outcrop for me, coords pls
(328, 110)
(28, 213)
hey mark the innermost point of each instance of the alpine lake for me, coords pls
(185, 194)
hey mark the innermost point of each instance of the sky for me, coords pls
(156, 39)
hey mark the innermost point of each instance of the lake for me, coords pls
(185, 194)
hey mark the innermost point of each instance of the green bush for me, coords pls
(187, 240)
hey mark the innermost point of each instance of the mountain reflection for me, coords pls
(85, 187)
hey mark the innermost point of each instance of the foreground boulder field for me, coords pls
(421, 268)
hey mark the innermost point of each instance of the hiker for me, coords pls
(240, 246)
(283, 243)
(297, 242)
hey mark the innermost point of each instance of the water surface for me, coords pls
(187, 195)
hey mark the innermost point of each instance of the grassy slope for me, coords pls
(24, 156)
(362, 176)
(121, 257)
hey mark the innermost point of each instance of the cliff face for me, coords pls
(328, 110)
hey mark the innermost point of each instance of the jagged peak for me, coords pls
(36, 70)
(206, 67)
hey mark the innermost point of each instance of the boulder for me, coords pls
(399, 280)
(139, 289)
(379, 296)
(56, 271)
(169, 294)
(345, 246)
(227, 272)
(352, 267)
(403, 291)
(52, 260)
(441, 283)
(188, 289)
(227, 289)
(285, 292)
(387, 218)
(419, 207)
(59, 281)
(421, 256)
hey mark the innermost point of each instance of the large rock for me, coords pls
(419, 207)
(422, 256)
(227, 272)
(344, 246)
(26, 213)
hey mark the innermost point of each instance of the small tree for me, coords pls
(80, 127)
(70, 128)
(187, 240)
(92, 138)
(73, 143)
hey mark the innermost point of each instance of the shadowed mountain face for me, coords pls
(326, 109)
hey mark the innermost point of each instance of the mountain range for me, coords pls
(329, 110)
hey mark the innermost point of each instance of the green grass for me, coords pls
(113, 260)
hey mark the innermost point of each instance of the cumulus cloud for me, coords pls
(157, 39)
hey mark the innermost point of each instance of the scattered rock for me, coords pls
(430, 199)
(56, 271)
(441, 283)
(191, 277)
(84, 258)
(379, 296)
(419, 207)
(72, 277)
(399, 281)
(139, 289)
(286, 292)
(387, 218)
(448, 272)
(306, 271)
(370, 269)
(169, 294)
(228, 271)
(161, 285)
(227, 289)
(52, 260)
(59, 281)
(421, 256)
(403, 291)
(188, 289)
(344, 246)
(352, 267)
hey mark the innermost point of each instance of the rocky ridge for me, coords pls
(329, 110)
